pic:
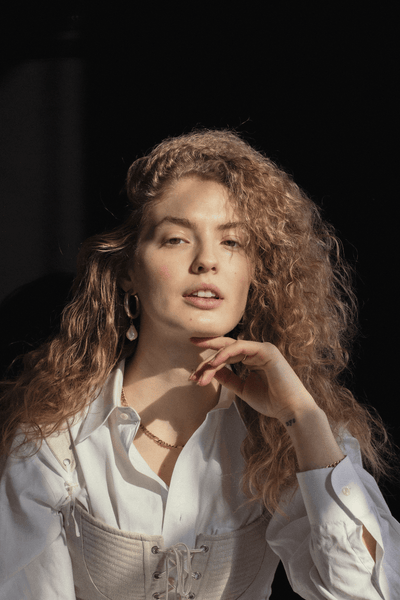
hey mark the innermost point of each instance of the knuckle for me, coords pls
(270, 346)
(271, 350)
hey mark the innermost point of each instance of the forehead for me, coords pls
(194, 198)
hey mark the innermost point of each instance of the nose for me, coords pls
(205, 260)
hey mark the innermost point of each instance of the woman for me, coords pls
(187, 428)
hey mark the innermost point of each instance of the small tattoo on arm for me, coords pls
(290, 422)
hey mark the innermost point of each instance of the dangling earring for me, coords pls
(132, 333)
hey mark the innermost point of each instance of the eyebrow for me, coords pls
(189, 225)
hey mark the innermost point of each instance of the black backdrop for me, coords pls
(85, 90)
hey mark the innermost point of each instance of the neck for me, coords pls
(156, 384)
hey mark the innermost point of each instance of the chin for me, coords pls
(209, 332)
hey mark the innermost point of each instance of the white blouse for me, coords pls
(319, 542)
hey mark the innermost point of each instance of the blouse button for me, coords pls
(204, 548)
(124, 416)
(157, 575)
(346, 491)
(191, 595)
(154, 549)
(196, 575)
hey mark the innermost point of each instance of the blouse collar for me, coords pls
(109, 400)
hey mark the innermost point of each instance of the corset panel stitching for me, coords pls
(234, 562)
(123, 565)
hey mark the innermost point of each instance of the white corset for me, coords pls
(112, 564)
(119, 565)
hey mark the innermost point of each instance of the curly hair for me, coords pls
(300, 300)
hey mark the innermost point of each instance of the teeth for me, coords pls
(204, 294)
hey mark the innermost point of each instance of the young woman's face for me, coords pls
(191, 248)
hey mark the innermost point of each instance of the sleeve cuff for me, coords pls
(338, 494)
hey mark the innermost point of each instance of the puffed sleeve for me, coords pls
(34, 558)
(320, 539)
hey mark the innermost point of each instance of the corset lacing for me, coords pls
(70, 486)
(175, 558)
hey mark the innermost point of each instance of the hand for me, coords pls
(272, 388)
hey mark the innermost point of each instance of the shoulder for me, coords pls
(32, 473)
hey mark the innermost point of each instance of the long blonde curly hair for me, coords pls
(300, 299)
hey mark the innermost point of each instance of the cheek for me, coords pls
(245, 276)
(165, 272)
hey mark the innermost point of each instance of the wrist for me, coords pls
(294, 415)
(312, 439)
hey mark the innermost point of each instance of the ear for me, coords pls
(127, 282)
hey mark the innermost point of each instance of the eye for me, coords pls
(231, 243)
(175, 241)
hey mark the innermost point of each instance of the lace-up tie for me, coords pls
(179, 558)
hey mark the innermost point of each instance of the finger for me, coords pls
(228, 379)
(215, 361)
(207, 376)
(254, 355)
(206, 371)
(212, 343)
(217, 344)
(229, 357)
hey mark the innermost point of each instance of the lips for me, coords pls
(204, 303)
(204, 287)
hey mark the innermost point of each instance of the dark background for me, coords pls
(85, 90)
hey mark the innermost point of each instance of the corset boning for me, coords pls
(118, 565)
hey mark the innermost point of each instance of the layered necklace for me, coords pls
(150, 435)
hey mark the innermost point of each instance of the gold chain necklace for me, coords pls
(155, 439)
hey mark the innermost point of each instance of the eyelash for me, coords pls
(235, 242)
(174, 238)
(168, 242)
